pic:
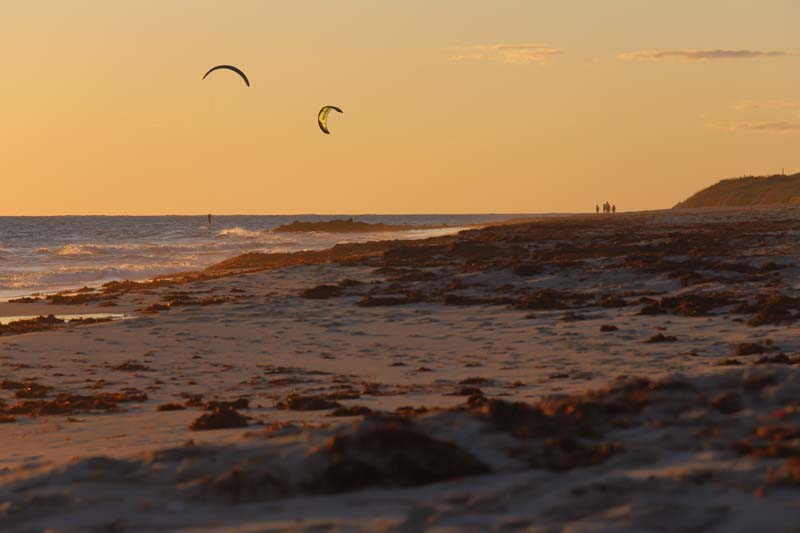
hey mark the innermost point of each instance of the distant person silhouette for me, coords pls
(614, 208)
(209, 219)
(597, 208)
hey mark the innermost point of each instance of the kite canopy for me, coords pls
(232, 69)
(322, 118)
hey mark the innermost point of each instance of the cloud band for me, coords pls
(507, 53)
(702, 55)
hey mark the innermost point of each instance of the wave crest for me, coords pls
(78, 249)
(241, 232)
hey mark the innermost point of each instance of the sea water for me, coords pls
(46, 254)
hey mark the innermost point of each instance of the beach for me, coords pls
(585, 372)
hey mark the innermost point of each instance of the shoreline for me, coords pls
(99, 285)
(330, 252)
(101, 300)
(340, 253)
(55, 253)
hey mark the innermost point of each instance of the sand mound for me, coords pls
(748, 191)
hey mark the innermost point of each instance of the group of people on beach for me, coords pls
(607, 208)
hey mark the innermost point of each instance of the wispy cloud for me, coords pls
(701, 55)
(506, 53)
(767, 105)
(781, 126)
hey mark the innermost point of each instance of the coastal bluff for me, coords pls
(748, 191)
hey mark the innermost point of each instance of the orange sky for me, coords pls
(449, 106)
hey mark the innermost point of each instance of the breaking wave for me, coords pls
(241, 232)
(41, 254)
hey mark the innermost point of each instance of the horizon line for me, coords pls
(300, 214)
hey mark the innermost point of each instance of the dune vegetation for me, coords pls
(748, 191)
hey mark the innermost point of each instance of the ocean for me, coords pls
(47, 254)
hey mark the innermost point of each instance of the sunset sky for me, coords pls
(457, 106)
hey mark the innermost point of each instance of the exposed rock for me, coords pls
(390, 455)
(132, 366)
(688, 304)
(219, 419)
(25, 300)
(155, 308)
(65, 403)
(345, 226)
(779, 359)
(748, 348)
(322, 292)
(660, 337)
(8, 384)
(239, 403)
(774, 309)
(298, 402)
(355, 410)
(32, 389)
(378, 301)
(171, 407)
(79, 298)
(40, 323)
